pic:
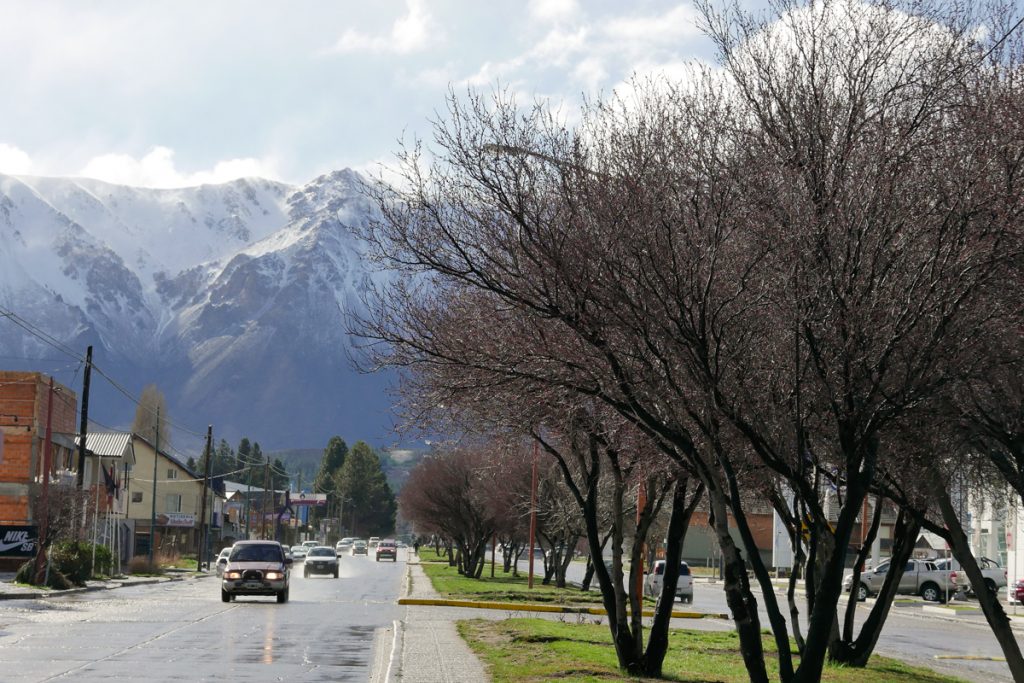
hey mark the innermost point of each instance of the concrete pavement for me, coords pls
(428, 648)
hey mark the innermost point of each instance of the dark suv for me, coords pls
(256, 568)
(388, 550)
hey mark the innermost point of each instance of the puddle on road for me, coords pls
(347, 647)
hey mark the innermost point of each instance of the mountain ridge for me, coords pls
(232, 298)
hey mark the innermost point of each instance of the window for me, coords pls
(172, 474)
(136, 496)
(173, 502)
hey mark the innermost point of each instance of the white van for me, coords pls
(684, 587)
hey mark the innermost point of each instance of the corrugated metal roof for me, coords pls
(107, 444)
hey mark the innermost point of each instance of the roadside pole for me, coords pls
(45, 495)
(84, 428)
(203, 528)
(152, 516)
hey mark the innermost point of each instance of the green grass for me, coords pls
(528, 650)
(502, 588)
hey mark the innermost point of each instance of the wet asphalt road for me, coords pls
(181, 631)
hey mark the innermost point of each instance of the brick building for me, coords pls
(23, 416)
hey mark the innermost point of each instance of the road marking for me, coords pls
(394, 646)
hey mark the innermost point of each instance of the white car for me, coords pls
(321, 560)
(344, 545)
(684, 586)
(222, 560)
(299, 552)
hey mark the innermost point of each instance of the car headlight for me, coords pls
(274, 576)
(233, 575)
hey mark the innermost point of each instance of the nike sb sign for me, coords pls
(18, 541)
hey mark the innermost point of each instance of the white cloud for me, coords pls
(666, 29)
(413, 31)
(552, 10)
(14, 161)
(156, 169)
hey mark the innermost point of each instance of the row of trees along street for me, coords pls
(797, 271)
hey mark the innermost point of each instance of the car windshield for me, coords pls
(360, 543)
(256, 553)
(298, 547)
(325, 552)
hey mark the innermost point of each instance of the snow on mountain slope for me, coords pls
(220, 293)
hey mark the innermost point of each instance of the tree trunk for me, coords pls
(738, 595)
(679, 522)
(997, 619)
(858, 652)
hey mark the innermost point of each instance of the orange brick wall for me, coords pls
(23, 414)
(760, 527)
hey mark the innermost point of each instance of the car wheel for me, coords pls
(282, 597)
(931, 592)
(225, 596)
(335, 573)
(305, 574)
(862, 593)
(395, 558)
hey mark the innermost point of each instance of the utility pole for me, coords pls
(248, 494)
(45, 495)
(266, 489)
(152, 517)
(203, 529)
(84, 428)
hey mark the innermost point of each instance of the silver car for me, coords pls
(655, 579)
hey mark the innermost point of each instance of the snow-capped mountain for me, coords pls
(231, 298)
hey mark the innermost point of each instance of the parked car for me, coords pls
(321, 560)
(1018, 591)
(387, 549)
(344, 545)
(256, 568)
(995, 576)
(920, 577)
(655, 579)
(299, 552)
(359, 548)
(222, 560)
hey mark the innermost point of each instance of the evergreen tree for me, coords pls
(191, 463)
(279, 475)
(370, 504)
(330, 464)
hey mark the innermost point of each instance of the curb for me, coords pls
(527, 607)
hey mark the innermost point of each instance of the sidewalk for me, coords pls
(12, 591)
(428, 648)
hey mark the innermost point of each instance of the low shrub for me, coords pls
(74, 559)
(57, 580)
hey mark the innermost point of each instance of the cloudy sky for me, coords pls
(180, 93)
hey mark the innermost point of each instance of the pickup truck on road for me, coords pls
(920, 577)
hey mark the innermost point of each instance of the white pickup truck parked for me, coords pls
(920, 577)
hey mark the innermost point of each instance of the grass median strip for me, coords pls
(531, 650)
(502, 588)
